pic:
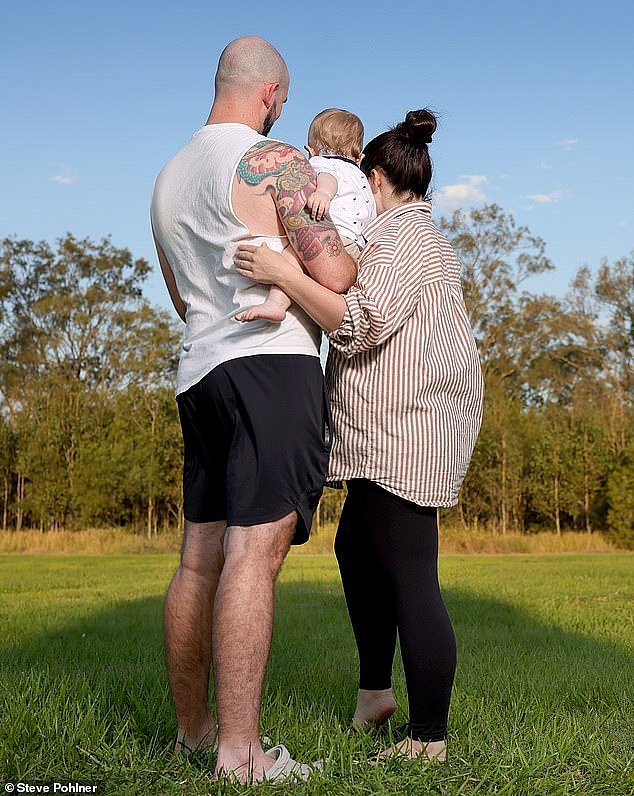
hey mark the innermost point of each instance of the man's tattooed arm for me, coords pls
(290, 179)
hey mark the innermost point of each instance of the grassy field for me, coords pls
(542, 701)
(453, 539)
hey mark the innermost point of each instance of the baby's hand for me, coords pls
(318, 203)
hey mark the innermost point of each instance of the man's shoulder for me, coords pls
(281, 149)
(269, 160)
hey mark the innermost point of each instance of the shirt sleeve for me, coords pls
(387, 291)
(330, 166)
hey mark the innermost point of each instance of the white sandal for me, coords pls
(285, 768)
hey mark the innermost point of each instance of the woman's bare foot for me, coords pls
(269, 311)
(373, 708)
(411, 749)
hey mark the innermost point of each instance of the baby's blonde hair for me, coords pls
(337, 132)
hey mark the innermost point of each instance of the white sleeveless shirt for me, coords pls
(195, 224)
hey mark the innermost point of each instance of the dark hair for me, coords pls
(402, 154)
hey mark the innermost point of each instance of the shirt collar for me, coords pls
(400, 210)
(339, 157)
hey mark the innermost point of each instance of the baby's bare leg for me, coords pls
(274, 308)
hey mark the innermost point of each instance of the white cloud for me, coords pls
(622, 223)
(544, 164)
(454, 197)
(63, 179)
(547, 198)
(568, 143)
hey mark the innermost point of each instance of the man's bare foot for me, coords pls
(269, 311)
(411, 749)
(203, 741)
(243, 764)
(373, 708)
(279, 767)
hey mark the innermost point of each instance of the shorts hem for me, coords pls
(260, 519)
(218, 519)
(301, 505)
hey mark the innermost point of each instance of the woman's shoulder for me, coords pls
(416, 226)
(417, 238)
(410, 226)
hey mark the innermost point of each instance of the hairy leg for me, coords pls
(242, 629)
(187, 619)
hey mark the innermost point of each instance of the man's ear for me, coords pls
(268, 93)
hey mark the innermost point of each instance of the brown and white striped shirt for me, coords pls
(403, 371)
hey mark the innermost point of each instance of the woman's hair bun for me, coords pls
(418, 127)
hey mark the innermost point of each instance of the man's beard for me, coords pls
(269, 121)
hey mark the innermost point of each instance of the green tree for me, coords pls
(76, 334)
(497, 257)
(620, 519)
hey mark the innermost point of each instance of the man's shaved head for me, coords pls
(249, 61)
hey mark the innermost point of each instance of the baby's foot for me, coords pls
(373, 708)
(269, 311)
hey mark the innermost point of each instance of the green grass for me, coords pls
(542, 701)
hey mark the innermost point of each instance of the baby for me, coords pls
(335, 144)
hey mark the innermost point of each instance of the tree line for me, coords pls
(89, 432)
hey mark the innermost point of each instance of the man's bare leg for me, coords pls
(187, 618)
(242, 629)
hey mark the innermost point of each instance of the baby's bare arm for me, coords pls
(327, 184)
(318, 203)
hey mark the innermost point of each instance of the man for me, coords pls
(251, 400)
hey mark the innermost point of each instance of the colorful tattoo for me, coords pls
(260, 163)
(291, 181)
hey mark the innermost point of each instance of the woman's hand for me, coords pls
(264, 265)
(261, 264)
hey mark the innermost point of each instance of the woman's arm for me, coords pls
(268, 267)
(387, 291)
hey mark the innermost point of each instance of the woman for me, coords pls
(406, 391)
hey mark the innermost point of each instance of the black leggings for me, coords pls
(387, 549)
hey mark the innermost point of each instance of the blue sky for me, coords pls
(535, 103)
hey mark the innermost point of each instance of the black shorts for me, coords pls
(257, 440)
